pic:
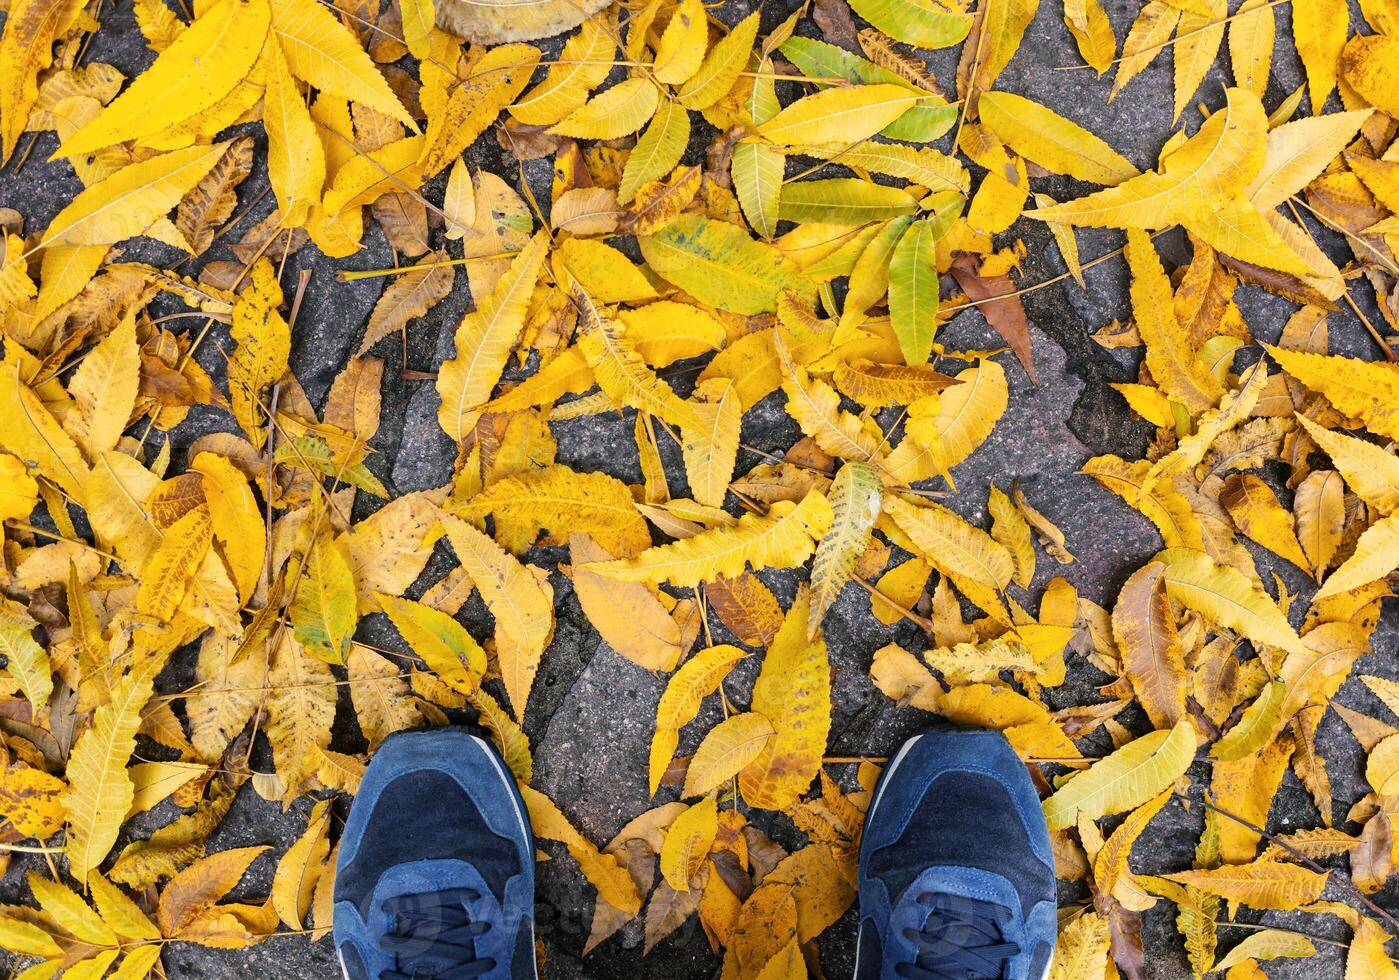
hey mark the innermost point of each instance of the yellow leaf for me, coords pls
(728, 748)
(522, 609)
(365, 177)
(621, 372)
(237, 522)
(120, 912)
(296, 165)
(682, 48)
(137, 964)
(558, 500)
(483, 342)
(1041, 135)
(26, 50)
(93, 967)
(1376, 555)
(605, 274)
(756, 173)
(264, 345)
(1153, 662)
(979, 662)
(198, 888)
(793, 691)
(815, 406)
(583, 64)
(1233, 410)
(19, 492)
(1082, 950)
(419, 21)
(70, 912)
(454, 123)
(132, 199)
(1251, 36)
(1321, 513)
(619, 111)
(711, 451)
(1219, 160)
(1256, 512)
(945, 429)
(628, 615)
(1225, 597)
(31, 800)
(1258, 725)
(1367, 958)
(1239, 229)
(444, 644)
(720, 265)
(1368, 470)
(1269, 944)
(658, 150)
(1110, 864)
(1088, 22)
(1319, 28)
(1169, 356)
(855, 501)
(1197, 45)
(950, 543)
(104, 389)
(665, 332)
(1126, 778)
(300, 867)
(389, 549)
(26, 661)
(459, 206)
(25, 939)
(612, 881)
(201, 67)
(697, 678)
(301, 696)
(1367, 390)
(1260, 885)
(166, 577)
(838, 115)
(1299, 151)
(321, 50)
(721, 67)
(687, 843)
(380, 695)
(1010, 529)
(876, 385)
(156, 781)
(781, 539)
(100, 791)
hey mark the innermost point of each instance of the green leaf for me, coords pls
(717, 263)
(323, 612)
(913, 292)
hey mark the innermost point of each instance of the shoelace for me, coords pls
(432, 937)
(961, 939)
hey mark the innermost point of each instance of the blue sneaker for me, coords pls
(436, 871)
(956, 874)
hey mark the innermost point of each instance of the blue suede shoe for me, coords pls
(435, 879)
(956, 874)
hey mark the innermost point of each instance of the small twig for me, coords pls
(904, 611)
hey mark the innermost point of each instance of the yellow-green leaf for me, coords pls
(1126, 778)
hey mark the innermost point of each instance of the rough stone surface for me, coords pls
(591, 713)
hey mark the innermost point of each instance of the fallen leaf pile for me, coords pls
(738, 210)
